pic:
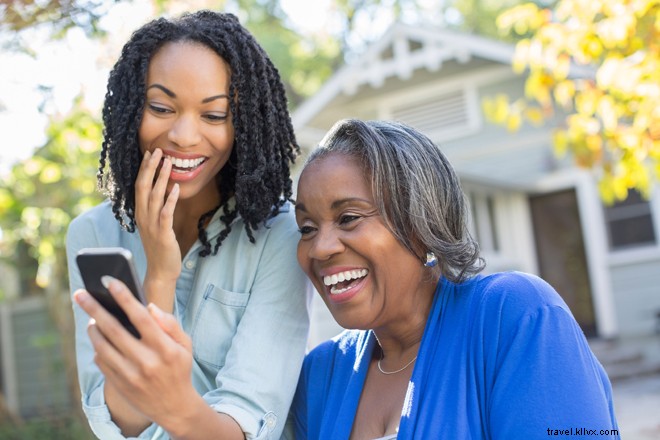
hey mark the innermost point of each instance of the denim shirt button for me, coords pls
(271, 420)
(190, 264)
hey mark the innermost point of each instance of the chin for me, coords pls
(349, 320)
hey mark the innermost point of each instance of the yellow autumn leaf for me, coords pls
(513, 122)
(521, 56)
(619, 187)
(534, 115)
(564, 93)
(497, 109)
(628, 139)
(562, 67)
(614, 31)
(608, 112)
(586, 101)
(560, 142)
(594, 142)
(606, 191)
(607, 72)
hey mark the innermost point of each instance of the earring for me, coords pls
(431, 259)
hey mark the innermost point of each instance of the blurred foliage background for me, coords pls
(596, 62)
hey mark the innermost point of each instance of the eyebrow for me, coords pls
(171, 94)
(336, 204)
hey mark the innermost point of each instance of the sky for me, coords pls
(76, 64)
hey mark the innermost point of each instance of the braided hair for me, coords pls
(257, 173)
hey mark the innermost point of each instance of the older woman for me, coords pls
(440, 351)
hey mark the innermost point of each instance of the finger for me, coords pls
(145, 181)
(157, 196)
(136, 311)
(91, 306)
(142, 176)
(106, 355)
(169, 324)
(113, 331)
(167, 213)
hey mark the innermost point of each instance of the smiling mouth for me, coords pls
(343, 281)
(185, 165)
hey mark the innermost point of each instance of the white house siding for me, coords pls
(636, 287)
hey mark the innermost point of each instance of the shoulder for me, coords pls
(95, 222)
(280, 233)
(506, 300)
(517, 290)
(98, 227)
(285, 221)
(505, 306)
(100, 214)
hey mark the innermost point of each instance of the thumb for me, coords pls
(168, 323)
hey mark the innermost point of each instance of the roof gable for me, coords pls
(402, 50)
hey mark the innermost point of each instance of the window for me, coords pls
(482, 210)
(630, 222)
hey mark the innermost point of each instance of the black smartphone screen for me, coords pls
(95, 263)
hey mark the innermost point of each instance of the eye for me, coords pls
(211, 117)
(347, 219)
(158, 109)
(305, 230)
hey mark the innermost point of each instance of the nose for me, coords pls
(184, 132)
(326, 244)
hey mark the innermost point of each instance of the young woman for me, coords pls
(441, 352)
(195, 163)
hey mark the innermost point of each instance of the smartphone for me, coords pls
(117, 262)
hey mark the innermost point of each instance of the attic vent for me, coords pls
(440, 117)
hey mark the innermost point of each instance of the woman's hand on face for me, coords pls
(154, 214)
(153, 374)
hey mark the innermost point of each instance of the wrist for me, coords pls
(189, 420)
(160, 291)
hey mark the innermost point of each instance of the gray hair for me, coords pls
(415, 188)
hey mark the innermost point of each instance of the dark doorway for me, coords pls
(561, 255)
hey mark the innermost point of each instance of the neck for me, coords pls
(399, 339)
(186, 218)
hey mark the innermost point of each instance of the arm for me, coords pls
(153, 374)
(83, 232)
(544, 375)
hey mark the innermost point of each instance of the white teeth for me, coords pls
(331, 280)
(185, 163)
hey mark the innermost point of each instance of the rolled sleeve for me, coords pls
(100, 421)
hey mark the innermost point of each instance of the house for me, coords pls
(531, 210)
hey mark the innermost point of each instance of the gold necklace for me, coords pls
(382, 356)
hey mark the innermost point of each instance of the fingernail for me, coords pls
(80, 296)
(106, 280)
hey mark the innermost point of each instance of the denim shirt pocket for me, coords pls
(215, 323)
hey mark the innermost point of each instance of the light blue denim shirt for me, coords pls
(246, 310)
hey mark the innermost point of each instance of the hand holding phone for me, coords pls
(94, 263)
